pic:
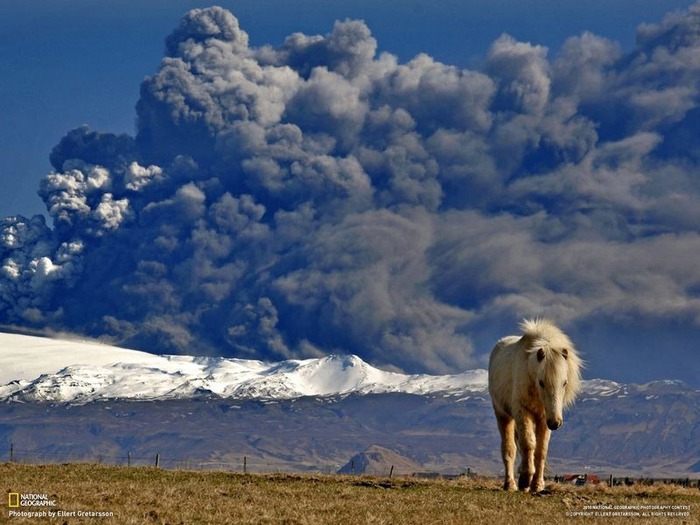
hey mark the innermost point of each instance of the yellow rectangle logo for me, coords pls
(13, 499)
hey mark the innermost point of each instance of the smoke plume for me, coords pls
(284, 202)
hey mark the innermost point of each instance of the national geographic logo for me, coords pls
(16, 500)
(40, 505)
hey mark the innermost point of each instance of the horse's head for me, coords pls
(551, 373)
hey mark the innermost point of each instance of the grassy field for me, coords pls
(150, 495)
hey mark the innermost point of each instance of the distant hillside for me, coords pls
(380, 461)
(634, 433)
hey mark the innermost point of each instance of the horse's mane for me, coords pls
(544, 334)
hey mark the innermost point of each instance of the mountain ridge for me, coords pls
(49, 370)
(34, 369)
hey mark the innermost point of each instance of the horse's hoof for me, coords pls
(543, 492)
(525, 487)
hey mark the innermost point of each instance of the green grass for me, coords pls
(150, 495)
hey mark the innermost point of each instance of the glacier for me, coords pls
(36, 369)
(39, 369)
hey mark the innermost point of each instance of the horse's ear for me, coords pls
(540, 354)
(565, 353)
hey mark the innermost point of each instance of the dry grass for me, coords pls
(149, 495)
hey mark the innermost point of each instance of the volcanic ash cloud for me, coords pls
(319, 196)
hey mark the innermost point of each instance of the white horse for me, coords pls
(532, 378)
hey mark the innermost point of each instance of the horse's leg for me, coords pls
(506, 426)
(542, 434)
(526, 441)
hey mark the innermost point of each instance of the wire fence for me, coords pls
(248, 465)
(242, 464)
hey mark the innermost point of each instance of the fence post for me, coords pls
(391, 472)
(157, 460)
(352, 467)
(245, 464)
(128, 459)
(12, 452)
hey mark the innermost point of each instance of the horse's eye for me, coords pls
(541, 384)
(566, 383)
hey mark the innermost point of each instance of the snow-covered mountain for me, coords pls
(64, 371)
(40, 369)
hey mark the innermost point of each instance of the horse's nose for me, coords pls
(554, 424)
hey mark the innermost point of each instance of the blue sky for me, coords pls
(400, 180)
